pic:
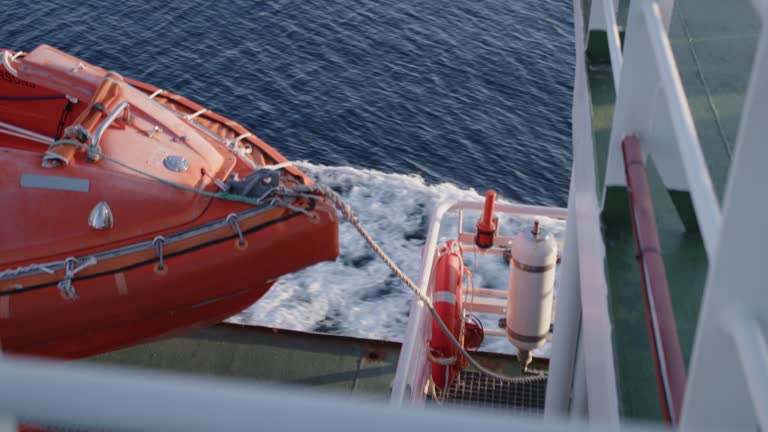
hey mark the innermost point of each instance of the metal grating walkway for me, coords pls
(479, 390)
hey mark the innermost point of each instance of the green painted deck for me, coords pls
(714, 43)
(324, 362)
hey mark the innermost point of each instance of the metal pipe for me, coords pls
(107, 122)
(670, 367)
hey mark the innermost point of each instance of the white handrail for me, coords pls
(400, 386)
(697, 174)
(614, 41)
(516, 209)
(80, 396)
(694, 167)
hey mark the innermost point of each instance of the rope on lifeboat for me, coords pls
(346, 211)
(219, 195)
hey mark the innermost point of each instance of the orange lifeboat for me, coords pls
(132, 213)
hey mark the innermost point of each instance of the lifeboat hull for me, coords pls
(178, 257)
(125, 306)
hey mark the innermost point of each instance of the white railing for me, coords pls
(583, 299)
(649, 64)
(562, 358)
(614, 35)
(651, 103)
(412, 365)
(697, 173)
(727, 391)
(614, 40)
(87, 397)
(721, 393)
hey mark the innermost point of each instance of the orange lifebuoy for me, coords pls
(447, 298)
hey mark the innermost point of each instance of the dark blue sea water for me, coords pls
(475, 93)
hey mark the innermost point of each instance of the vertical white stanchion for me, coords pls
(723, 375)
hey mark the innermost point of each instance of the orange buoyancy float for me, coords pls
(447, 298)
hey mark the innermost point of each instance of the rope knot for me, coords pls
(72, 266)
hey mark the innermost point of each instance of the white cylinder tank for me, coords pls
(531, 288)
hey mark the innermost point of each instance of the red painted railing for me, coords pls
(668, 357)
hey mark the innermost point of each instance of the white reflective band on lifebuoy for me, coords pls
(445, 297)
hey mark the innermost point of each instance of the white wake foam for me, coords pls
(357, 295)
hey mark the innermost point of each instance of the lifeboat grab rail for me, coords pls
(107, 122)
(52, 267)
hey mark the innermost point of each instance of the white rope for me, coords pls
(196, 114)
(11, 273)
(27, 137)
(25, 133)
(234, 142)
